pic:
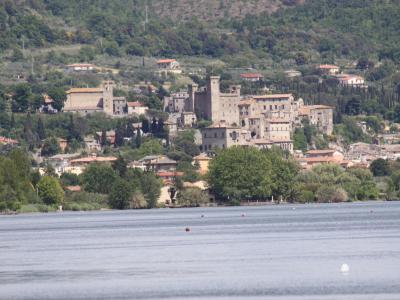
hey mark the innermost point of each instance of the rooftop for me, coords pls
(273, 96)
(135, 104)
(328, 67)
(251, 75)
(165, 61)
(93, 159)
(85, 90)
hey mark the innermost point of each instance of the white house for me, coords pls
(137, 108)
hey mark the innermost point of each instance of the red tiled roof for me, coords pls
(169, 174)
(4, 140)
(251, 75)
(165, 61)
(73, 188)
(135, 104)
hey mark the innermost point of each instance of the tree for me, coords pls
(50, 147)
(138, 138)
(40, 129)
(120, 166)
(30, 136)
(119, 135)
(59, 96)
(21, 98)
(69, 179)
(244, 172)
(331, 194)
(380, 167)
(120, 195)
(98, 178)
(50, 190)
(130, 131)
(103, 139)
(154, 126)
(192, 197)
(145, 126)
(150, 186)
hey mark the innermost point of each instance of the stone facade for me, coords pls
(210, 104)
(319, 115)
(88, 100)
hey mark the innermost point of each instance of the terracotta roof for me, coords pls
(73, 188)
(328, 67)
(4, 140)
(165, 61)
(85, 90)
(135, 104)
(273, 96)
(251, 75)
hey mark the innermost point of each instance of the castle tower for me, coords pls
(189, 103)
(108, 105)
(213, 98)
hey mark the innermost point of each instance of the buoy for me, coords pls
(187, 229)
(344, 268)
(202, 216)
(243, 214)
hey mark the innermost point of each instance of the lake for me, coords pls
(270, 252)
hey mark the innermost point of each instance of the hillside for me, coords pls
(212, 10)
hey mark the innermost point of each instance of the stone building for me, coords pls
(319, 115)
(210, 104)
(176, 102)
(222, 136)
(88, 100)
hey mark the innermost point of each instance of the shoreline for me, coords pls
(245, 204)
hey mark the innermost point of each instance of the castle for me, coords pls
(261, 121)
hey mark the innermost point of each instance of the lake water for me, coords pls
(272, 252)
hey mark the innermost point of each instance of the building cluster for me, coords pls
(344, 79)
(101, 99)
(261, 121)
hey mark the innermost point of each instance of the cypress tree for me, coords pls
(40, 129)
(138, 140)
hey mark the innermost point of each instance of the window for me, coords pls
(276, 106)
(265, 107)
(270, 107)
(215, 135)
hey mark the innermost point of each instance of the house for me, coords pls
(7, 141)
(222, 136)
(166, 66)
(63, 144)
(252, 77)
(47, 106)
(351, 80)
(78, 165)
(110, 136)
(292, 73)
(326, 156)
(137, 108)
(81, 67)
(202, 161)
(319, 115)
(187, 119)
(92, 144)
(175, 103)
(329, 69)
(158, 163)
(172, 127)
(169, 176)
